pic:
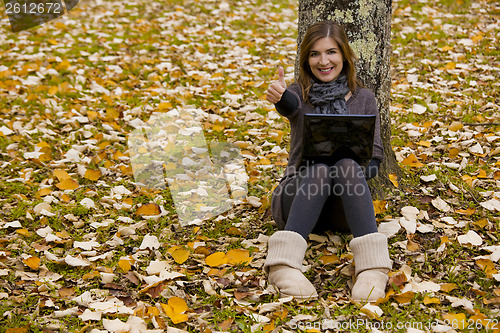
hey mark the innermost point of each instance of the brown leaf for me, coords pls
(405, 297)
(447, 287)
(241, 293)
(226, 324)
(65, 292)
(148, 209)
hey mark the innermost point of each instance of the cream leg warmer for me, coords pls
(286, 250)
(372, 264)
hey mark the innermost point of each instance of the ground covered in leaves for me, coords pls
(83, 248)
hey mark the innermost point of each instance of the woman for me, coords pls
(327, 83)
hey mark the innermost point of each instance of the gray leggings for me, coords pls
(322, 198)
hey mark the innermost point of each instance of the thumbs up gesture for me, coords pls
(277, 88)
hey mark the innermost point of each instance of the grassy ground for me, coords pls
(77, 252)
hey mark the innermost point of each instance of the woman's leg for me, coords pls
(304, 198)
(350, 185)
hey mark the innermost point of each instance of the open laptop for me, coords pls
(328, 138)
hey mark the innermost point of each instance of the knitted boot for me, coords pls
(372, 264)
(286, 250)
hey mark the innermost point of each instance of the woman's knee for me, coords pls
(319, 170)
(347, 168)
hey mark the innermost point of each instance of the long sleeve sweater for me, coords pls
(293, 107)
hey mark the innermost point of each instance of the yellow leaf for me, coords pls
(53, 90)
(477, 38)
(405, 297)
(44, 191)
(487, 266)
(450, 65)
(216, 259)
(67, 184)
(92, 174)
(112, 114)
(60, 25)
(23, 232)
(91, 275)
(175, 317)
(175, 308)
(125, 264)
(153, 311)
(178, 304)
(164, 106)
(468, 211)
(180, 255)
(456, 320)
(265, 161)
(482, 174)
(238, 256)
(148, 209)
(379, 206)
(61, 174)
(424, 143)
(434, 300)
(63, 65)
(92, 115)
(329, 259)
(32, 262)
(446, 48)
(455, 126)
(394, 179)
(447, 287)
(482, 223)
(412, 161)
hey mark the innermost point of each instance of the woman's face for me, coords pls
(325, 59)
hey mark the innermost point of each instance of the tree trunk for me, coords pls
(368, 27)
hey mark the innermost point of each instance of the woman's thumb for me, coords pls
(281, 76)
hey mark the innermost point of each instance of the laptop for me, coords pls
(328, 138)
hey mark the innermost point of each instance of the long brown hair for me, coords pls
(315, 32)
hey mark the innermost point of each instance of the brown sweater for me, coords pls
(293, 107)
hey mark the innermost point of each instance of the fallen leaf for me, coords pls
(216, 259)
(92, 174)
(32, 262)
(238, 256)
(180, 255)
(148, 210)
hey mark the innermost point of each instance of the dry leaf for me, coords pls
(148, 210)
(238, 256)
(67, 184)
(32, 262)
(92, 174)
(180, 255)
(216, 259)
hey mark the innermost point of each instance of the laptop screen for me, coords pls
(328, 138)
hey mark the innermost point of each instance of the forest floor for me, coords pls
(84, 248)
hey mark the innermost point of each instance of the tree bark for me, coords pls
(368, 27)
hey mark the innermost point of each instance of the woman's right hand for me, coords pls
(277, 88)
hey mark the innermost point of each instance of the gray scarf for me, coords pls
(330, 97)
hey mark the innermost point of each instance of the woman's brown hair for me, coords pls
(315, 32)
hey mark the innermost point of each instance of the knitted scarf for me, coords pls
(329, 97)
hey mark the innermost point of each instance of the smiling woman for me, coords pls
(314, 197)
(325, 60)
